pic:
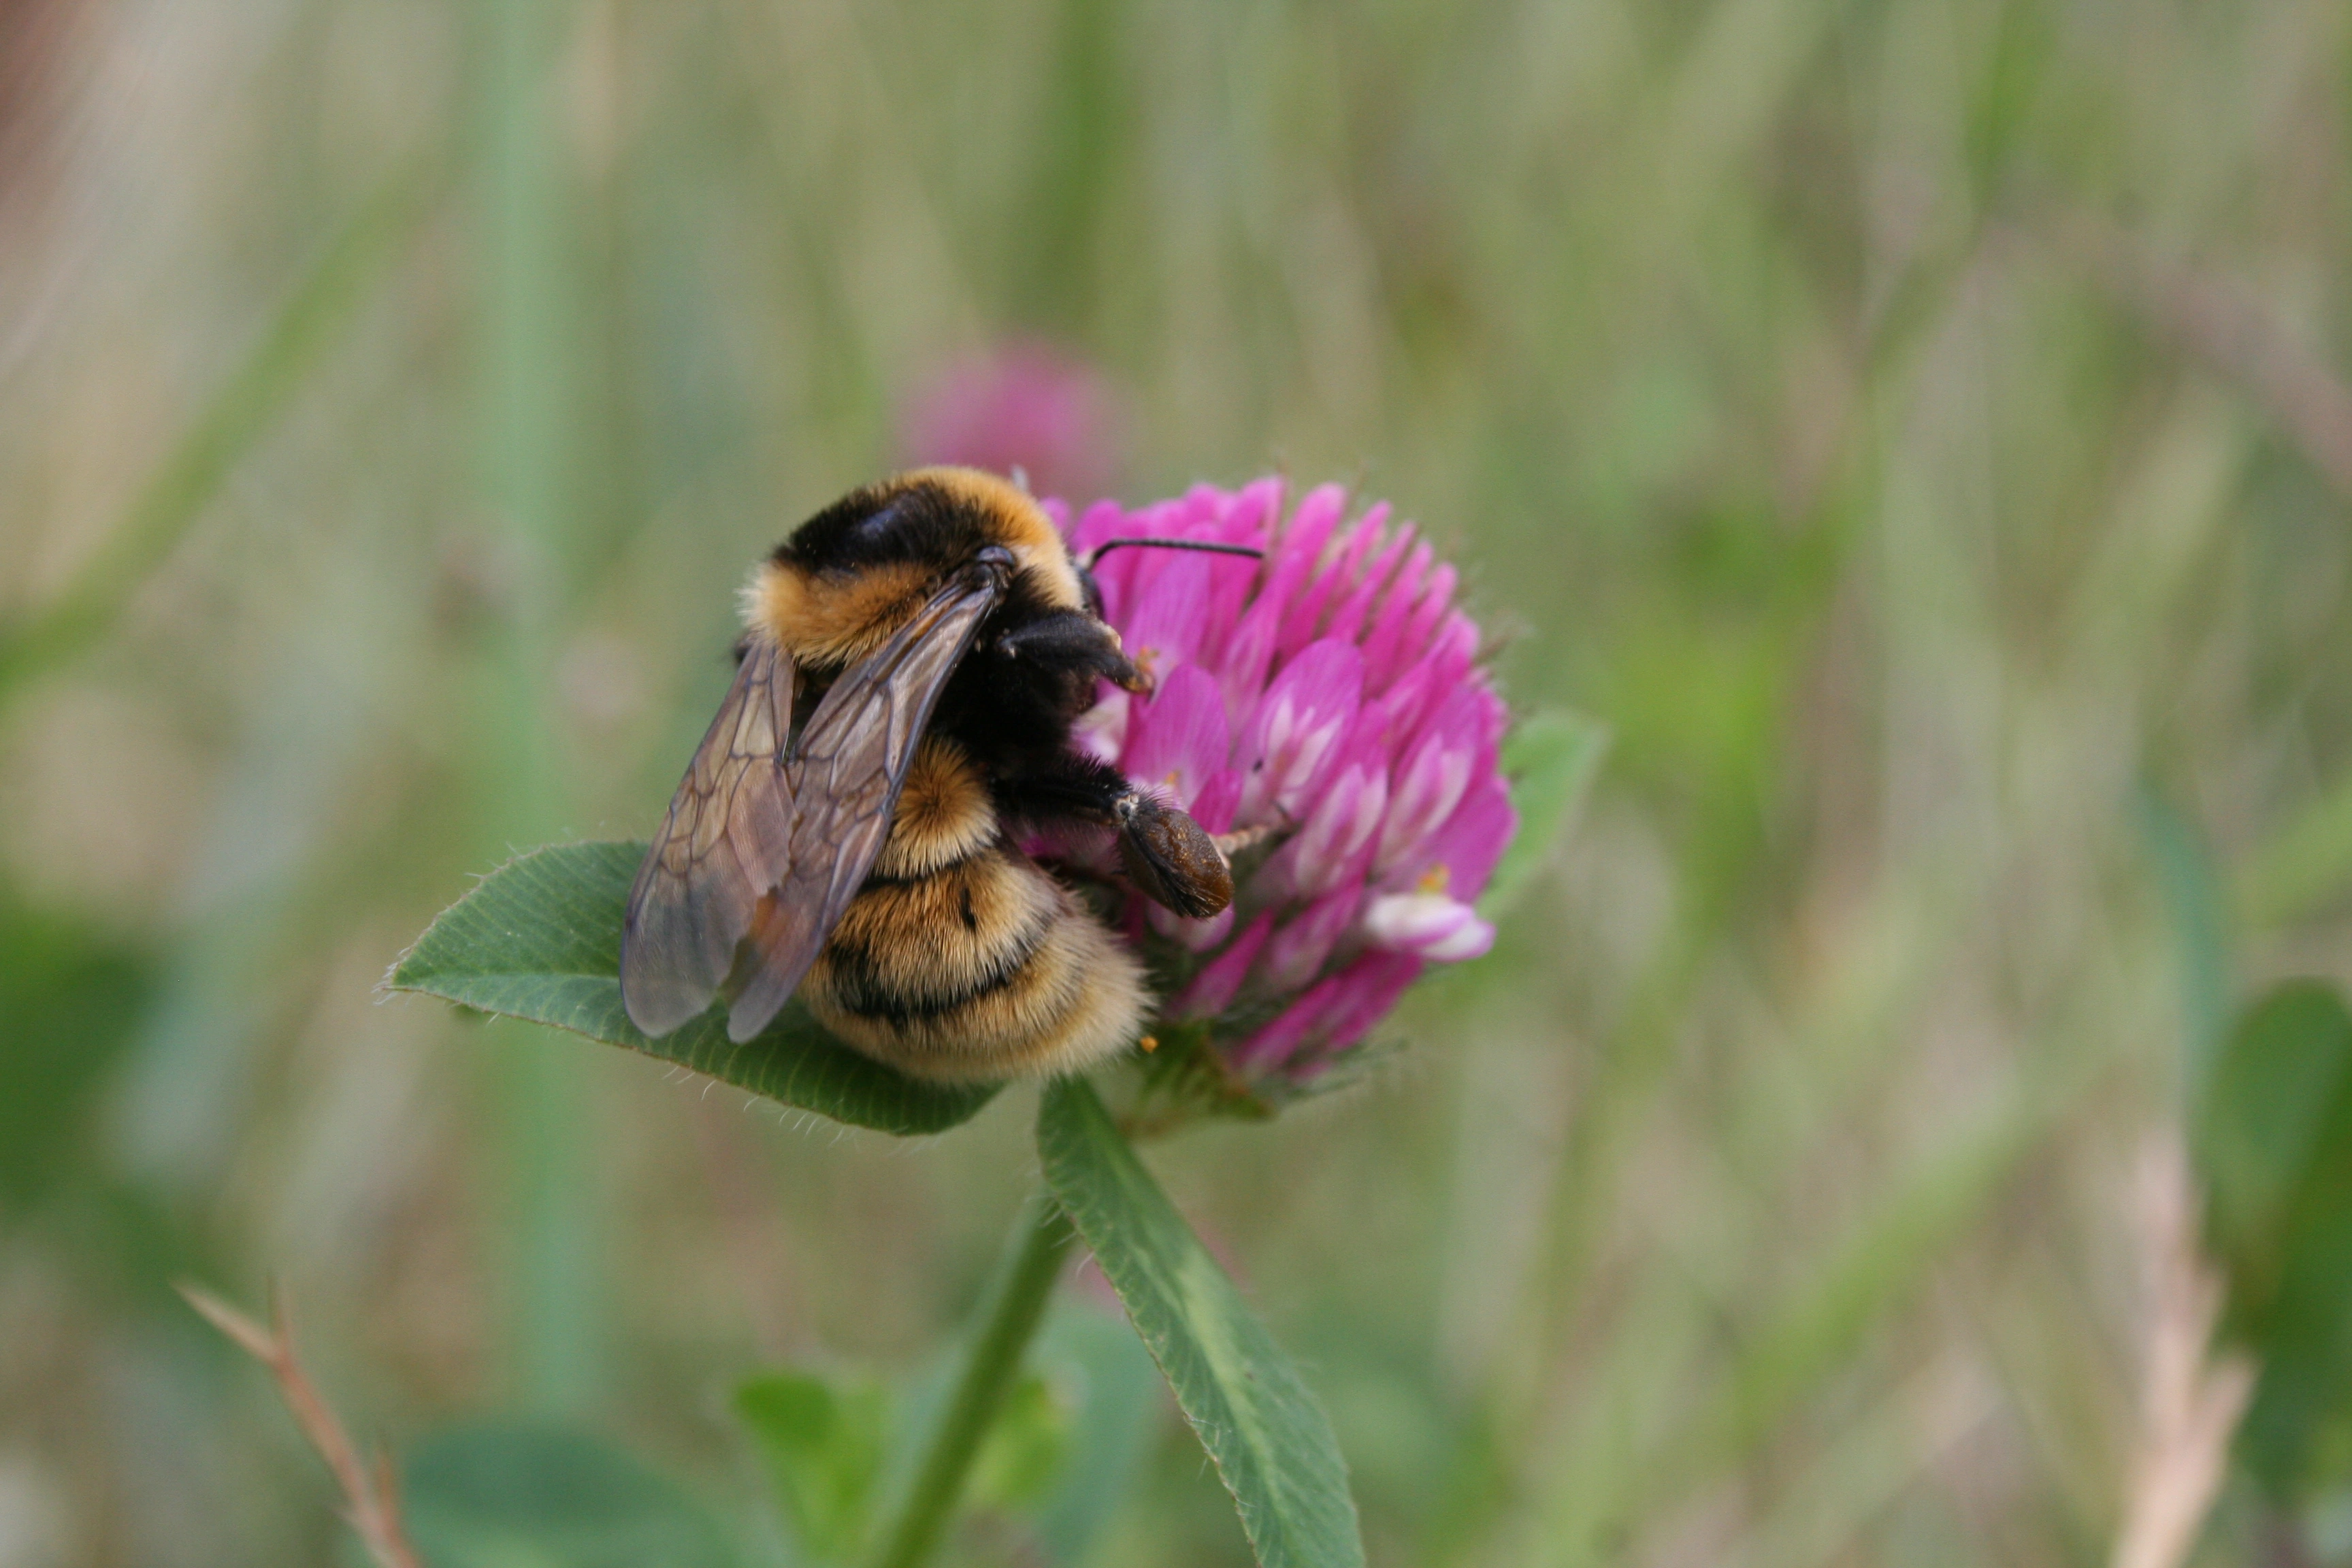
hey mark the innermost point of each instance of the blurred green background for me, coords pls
(1909, 425)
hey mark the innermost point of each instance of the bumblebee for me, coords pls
(914, 657)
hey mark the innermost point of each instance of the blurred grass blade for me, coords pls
(1273, 1447)
(2200, 913)
(540, 940)
(1747, 56)
(1550, 759)
(1610, 1483)
(240, 413)
(1863, 1470)
(506, 1493)
(2234, 329)
(1921, 1215)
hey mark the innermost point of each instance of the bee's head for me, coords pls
(852, 574)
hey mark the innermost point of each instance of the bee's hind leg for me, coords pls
(1170, 858)
(1073, 787)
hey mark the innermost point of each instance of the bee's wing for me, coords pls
(726, 841)
(844, 770)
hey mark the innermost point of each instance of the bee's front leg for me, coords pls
(1074, 640)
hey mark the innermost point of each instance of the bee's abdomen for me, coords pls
(961, 958)
(943, 818)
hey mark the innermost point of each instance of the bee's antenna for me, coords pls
(1204, 545)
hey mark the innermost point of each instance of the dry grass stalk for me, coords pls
(2226, 324)
(2191, 1397)
(371, 1493)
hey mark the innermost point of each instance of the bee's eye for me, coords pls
(1091, 591)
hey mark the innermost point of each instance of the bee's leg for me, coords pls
(1072, 639)
(1241, 838)
(1170, 858)
(1072, 787)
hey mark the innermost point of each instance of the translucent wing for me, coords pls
(725, 842)
(844, 771)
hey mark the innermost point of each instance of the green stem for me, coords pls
(528, 367)
(1008, 1320)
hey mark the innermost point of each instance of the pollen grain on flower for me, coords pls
(1329, 699)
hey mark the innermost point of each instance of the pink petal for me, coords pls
(1178, 739)
(1475, 940)
(1245, 519)
(1168, 613)
(1300, 546)
(1123, 573)
(1248, 650)
(1348, 617)
(1303, 557)
(1329, 850)
(1213, 989)
(1437, 673)
(1214, 807)
(1462, 853)
(1415, 922)
(1343, 814)
(1427, 613)
(1299, 948)
(1273, 1046)
(1293, 552)
(1365, 992)
(1344, 562)
(1194, 936)
(1102, 730)
(1433, 776)
(1096, 526)
(1291, 740)
(1384, 644)
(1494, 716)
(1250, 516)
(1163, 519)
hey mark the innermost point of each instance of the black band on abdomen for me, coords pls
(858, 986)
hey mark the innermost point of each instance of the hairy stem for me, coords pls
(1007, 1321)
